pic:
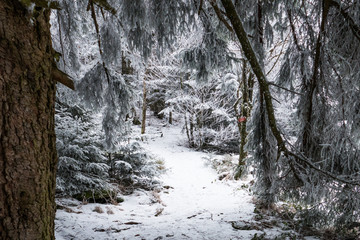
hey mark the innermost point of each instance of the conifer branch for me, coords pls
(314, 78)
(264, 87)
(219, 14)
(303, 159)
(353, 26)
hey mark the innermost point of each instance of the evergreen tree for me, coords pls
(316, 160)
(82, 162)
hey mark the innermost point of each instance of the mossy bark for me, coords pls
(27, 136)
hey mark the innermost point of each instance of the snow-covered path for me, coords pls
(192, 205)
(197, 206)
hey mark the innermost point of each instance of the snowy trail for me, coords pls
(195, 185)
(193, 204)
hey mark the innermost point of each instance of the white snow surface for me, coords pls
(193, 205)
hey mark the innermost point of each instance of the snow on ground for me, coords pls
(193, 204)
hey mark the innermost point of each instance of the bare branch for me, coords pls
(62, 77)
(292, 26)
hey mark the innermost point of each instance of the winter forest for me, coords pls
(199, 119)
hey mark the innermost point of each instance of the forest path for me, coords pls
(197, 205)
(192, 205)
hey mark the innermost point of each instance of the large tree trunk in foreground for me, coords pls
(27, 137)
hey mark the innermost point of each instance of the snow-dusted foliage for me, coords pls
(85, 164)
(94, 44)
(319, 165)
(207, 109)
(112, 97)
(316, 78)
(308, 52)
(94, 37)
(260, 143)
(209, 49)
(82, 163)
(133, 168)
(321, 61)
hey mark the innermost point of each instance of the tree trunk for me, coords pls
(242, 117)
(187, 129)
(256, 67)
(266, 109)
(308, 140)
(170, 118)
(143, 120)
(27, 136)
(192, 142)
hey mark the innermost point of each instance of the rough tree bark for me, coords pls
(27, 136)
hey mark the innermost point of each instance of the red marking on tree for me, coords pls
(242, 119)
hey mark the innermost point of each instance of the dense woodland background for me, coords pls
(274, 81)
(182, 61)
